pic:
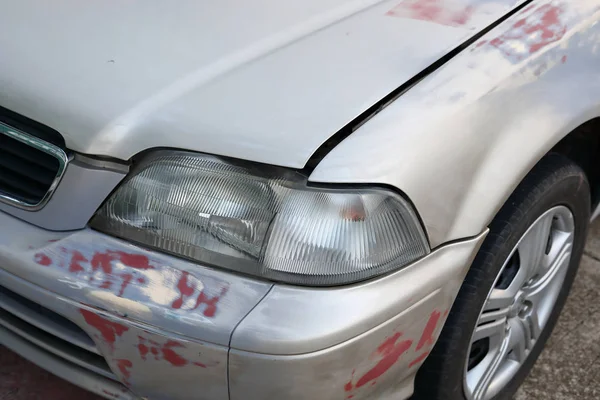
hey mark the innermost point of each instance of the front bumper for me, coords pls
(130, 322)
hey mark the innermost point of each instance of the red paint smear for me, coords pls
(106, 284)
(186, 290)
(211, 303)
(76, 260)
(169, 354)
(200, 365)
(427, 337)
(348, 386)
(154, 351)
(446, 313)
(142, 348)
(391, 352)
(126, 280)
(433, 11)
(124, 366)
(103, 260)
(418, 359)
(108, 329)
(42, 259)
(563, 59)
(537, 30)
(114, 395)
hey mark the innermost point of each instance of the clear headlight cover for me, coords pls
(262, 221)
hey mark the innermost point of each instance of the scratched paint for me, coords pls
(427, 338)
(392, 350)
(445, 12)
(540, 27)
(132, 275)
(388, 353)
(124, 367)
(167, 352)
(108, 330)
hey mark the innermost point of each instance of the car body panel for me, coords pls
(164, 325)
(262, 81)
(126, 280)
(459, 142)
(312, 319)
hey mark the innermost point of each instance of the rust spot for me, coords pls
(427, 337)
(418, 359)
(444, 12)
(108, 329)
(533, 33)
(42, 259)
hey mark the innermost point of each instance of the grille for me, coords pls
(30, 168)
(50, 332)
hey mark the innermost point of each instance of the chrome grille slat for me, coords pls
(55, 325)
(30, 170)
(58, 347)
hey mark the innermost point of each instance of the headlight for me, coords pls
(262, 221)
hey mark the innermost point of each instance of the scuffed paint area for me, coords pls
(101, 271)
(395, 349)
(540, 27)
(445, 12)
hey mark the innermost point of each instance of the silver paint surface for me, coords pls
(264, 80)
(459, 142)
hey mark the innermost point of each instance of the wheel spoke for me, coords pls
(492, 367)
(532, 247)
(489, 330)
(517, 340)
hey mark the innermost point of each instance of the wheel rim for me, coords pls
(519, 305)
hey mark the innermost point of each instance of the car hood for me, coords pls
(261, 80)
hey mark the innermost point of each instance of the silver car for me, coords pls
(317, 199)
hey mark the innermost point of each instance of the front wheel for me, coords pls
(515, 290)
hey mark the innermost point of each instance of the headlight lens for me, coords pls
(265, 222)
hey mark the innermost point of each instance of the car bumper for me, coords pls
(127, 322)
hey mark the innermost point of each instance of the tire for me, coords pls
(554, 181)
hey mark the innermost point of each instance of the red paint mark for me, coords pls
(535, 31)
(76, 260)
(143, 349)
(141, 280)
(169, 354)
(106, 284)
(113, 395)
(53, 240)
(124, 366)
(563, 59)
(103, 260)
(167, 351)
(187, 290)
(437, 11)
(427, 337)
(389, 352)
(42, 259)
(446, 313)
(184, 290)
(210, 302)
(126, 280)
(108, 329)
(418, 359)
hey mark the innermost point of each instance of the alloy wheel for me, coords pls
(519, 304)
